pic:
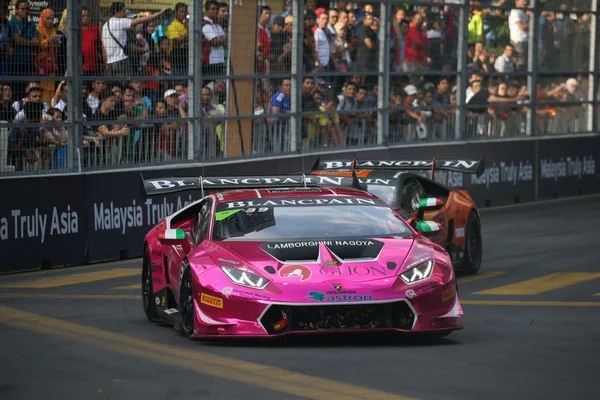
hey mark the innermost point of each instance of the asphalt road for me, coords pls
(539, 340)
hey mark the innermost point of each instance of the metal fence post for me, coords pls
(462, 79)
(383, 118)
(195, 66)
(592, 120)
(532, 67)
(74, 86)
(297, 75)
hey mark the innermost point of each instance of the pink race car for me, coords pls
(293, 255)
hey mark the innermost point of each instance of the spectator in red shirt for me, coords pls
(91, 46)
(416, 46)
(263, 47)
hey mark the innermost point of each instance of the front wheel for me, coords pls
(148, 303)
(473, 244)
(186, 304)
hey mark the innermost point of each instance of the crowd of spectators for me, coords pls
(344, 39)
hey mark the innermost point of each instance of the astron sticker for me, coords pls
(459, 232)
(211, 301)
(293, 271)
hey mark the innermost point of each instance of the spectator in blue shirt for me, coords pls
(280, 104)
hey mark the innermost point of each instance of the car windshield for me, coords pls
(384, 192)
(308, 222)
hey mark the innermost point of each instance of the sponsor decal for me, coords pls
(337, 286)
(306, 201)
(410, 294)
(320, 296)
(157, 253)
(459, 232)
(417, 262)
(314, 243)
(227, 291)
(357, 270)
(566, 167)
(250, 295)
(399, 164)
(293, 271)
(305, 251)
(228, 261)
(211, 300)
(163, 301)
(221, 215)
(160, 281)
(426, 287)
(448, 294)
(157, 300)
(295, 190)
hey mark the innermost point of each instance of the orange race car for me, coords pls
(417, 198)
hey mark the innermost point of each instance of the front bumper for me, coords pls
(244, 316)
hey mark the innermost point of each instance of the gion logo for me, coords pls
(291, 271)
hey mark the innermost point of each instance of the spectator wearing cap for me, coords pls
(114, 38)
(24, 36)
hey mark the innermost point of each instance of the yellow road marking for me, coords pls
(543, 284)
(129, 287)
(480, 275)
(68, 296)
(72, 268)
(75, 279)
(264, 376)
(532, 303)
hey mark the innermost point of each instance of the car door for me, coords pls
(196, 231)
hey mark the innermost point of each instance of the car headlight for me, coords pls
(418, 273)
(245, 278)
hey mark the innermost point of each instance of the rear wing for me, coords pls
(466, 166)
(161, 186)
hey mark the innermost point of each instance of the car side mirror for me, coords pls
(172, 237)
(428, 228)
(431, 203)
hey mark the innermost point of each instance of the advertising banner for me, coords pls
(43, 222)
(568, 167)
(75, 219)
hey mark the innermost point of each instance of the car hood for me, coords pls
(315, 261)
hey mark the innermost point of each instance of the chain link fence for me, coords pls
(103, 85)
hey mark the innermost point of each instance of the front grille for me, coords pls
(280, 319)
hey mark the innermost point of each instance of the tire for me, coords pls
(473, 244)
(186, 304)
(148, 304)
